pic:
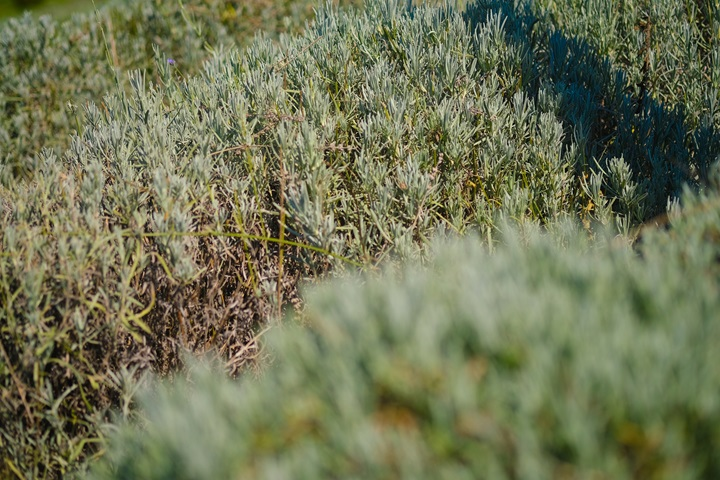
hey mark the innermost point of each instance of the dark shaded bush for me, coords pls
(26, 3)
(634, 87)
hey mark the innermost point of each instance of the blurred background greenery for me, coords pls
(58, 8)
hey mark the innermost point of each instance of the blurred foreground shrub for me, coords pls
(537, 362)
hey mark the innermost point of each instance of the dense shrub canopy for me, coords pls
(540, 361)
(50, 70)
(186, 209)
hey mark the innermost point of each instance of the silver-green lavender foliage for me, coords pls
(552, 358)
(635, 84)
(670, 54)
(50, 69)
(75, 291)
(360, 139)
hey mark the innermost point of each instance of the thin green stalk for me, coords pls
(282, 234)
(247, 236)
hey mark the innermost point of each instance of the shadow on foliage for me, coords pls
(23, 4)
(604, 113)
